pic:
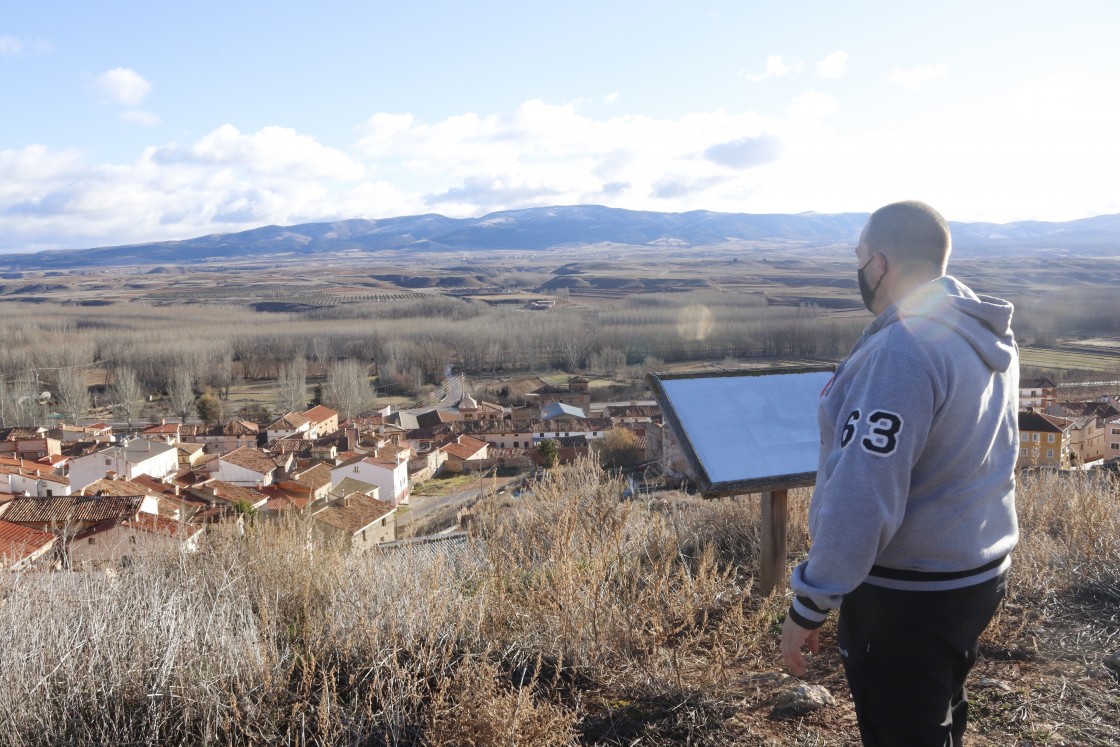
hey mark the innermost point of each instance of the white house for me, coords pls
(37, 481)
(290, 424)
(252, 467)
(386, 468)
(324, 421)
(130, 459)
(120, 538)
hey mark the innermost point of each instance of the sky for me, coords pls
(129, 122)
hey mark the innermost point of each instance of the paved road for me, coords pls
(422, 506)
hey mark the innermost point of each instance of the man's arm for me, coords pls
(795, 638)
(863, 483)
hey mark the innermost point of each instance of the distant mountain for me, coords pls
(536, 229)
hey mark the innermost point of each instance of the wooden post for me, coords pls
(772, 560)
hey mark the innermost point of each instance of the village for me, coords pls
(76, 497)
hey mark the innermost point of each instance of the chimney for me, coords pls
(345, 501)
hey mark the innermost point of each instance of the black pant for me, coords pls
(906, 655)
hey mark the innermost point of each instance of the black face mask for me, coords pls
(866, 292)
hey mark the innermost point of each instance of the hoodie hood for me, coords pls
(983, 321)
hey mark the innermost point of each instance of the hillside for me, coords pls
(542, 229)
(568, 618)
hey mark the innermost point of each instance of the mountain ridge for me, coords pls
(544, 228)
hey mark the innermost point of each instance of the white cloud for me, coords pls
(834, 65)
(272, 151)
(553, 154)
(1043, 150)
(916, 78)
(777, 66)
(12, 46)
(121, 85)
(611, 97)
(140, 117)
(812, 105)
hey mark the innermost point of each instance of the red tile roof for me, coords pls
(229, 492)
(319, 413)
(289, 421)
(314, 477)
(353, 513)
(18, 542)
(71, 509)
(252, 459)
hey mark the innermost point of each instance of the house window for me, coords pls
(363, 535)
(1049, 453)
(356, 468)
(92, 540)
(1116, 431)
(1114, 447)
(132, 540)
(49, 492)
(517, 444)
(108, 461)
(1049, 438)
(1022, 452)
(1036, 437)
(1024, 437)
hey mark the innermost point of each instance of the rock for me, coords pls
(801, 700)
(1113, 662)
(988, 682)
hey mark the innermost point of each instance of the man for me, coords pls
(913, 515)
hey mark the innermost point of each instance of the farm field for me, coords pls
(1066, 359)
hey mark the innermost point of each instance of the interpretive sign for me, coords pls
(745, 432)
(749, 432)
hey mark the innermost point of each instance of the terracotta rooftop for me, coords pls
(314, 477)
(71, 509)
(289, 421)
(251, 459)
(161, 429)
(229, 492)
(354, 513)
(18, 542)
(319, 413)
(283, 498)
(121, 487)
(150, 523)
(465, 447)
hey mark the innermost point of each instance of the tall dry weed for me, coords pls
(571, 616)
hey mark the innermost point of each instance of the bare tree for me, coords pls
(19, 405)
(292, 394)
(221, 374)
(181, 393)
(347, 388)
(128, 397)
(73, 392)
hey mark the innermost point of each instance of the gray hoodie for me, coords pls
(919, 437)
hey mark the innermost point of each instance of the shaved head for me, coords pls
(910, 232)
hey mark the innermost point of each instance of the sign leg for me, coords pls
(772, 558)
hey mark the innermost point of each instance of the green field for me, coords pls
(1069, 360)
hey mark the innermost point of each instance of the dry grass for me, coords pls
(571, 618)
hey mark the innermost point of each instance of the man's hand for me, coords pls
(794, 638)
